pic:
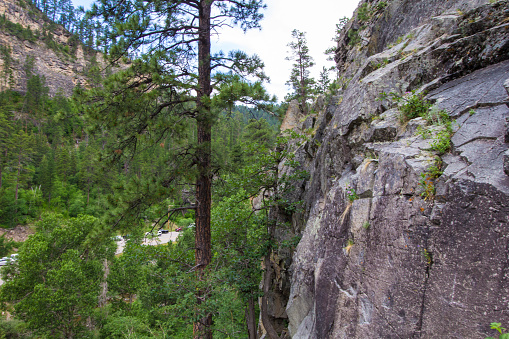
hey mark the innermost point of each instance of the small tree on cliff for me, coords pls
(300, 79)
(170, 81)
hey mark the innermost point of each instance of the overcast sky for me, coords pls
(316, 18)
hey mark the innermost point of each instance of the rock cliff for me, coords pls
(25, 32)
(405, 225)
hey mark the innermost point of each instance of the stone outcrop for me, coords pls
(414, 254)
(62, 60)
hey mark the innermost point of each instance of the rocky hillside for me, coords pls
(26, 33)
(405, 226)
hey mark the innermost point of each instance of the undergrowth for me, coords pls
(413, 105)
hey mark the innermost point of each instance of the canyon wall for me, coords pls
(401, 237)
(27, 34)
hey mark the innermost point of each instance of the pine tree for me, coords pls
(171, 81)
(47, 175)
(62, 162)
(6, 129)
(323, 82)
(300, 79)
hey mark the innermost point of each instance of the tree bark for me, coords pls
(17, 178)
(203, 254)
(1, 166)
(251, 319)
(267, 277)
(104, 285)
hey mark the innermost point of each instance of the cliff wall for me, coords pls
(25, 32)
(403, 238)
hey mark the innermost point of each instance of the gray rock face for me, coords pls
(415, 256)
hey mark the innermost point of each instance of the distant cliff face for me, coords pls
(405, 230)
(26, 33)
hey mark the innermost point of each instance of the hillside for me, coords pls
(385, 216)
(25, 32)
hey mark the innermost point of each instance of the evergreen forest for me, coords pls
(169, 136)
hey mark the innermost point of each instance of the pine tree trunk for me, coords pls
(104, 284)
(264, 309)
(1, 166)
(203, 254)
(17, 178)
(251, 319)
(267, 275)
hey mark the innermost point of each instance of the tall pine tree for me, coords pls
(300, 78)
(171, 79)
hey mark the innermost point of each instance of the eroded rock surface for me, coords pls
(414, 256)
(63, 62)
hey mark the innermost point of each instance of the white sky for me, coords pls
(316, 18)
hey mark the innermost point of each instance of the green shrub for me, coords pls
(411, 106)
(364, 13)
(117, 327)
(17, 30)
(184, 222)
(13, 328)
(354, 37)
(442, 141)
(381, 5)
(503, 334)
(427, 181)
(414, 106)
(350, 193)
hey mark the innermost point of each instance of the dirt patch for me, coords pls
(18, 233)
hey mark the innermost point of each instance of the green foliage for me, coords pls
(435, 116)
(324, 83)
(331, 51)
(366, 225)
(184, 222)
(13, 328)
(238, 237)
(441, 143)
(351, 195)
(380, 6)
(353, 37)
(7, 74)
(411, 106)
(364, 12)
(428, 256)
(381, 64)
(501, 330)
(6, 246)
(127, 277)
(260, 133)
(118, 326)
(300, 80)
(293, 242)
(17, 30)
(428, 178)
(54, 284)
